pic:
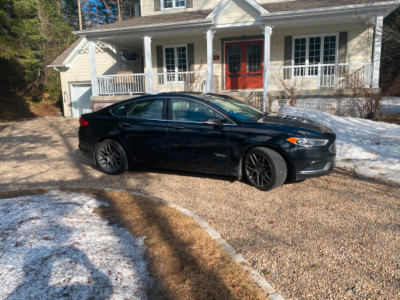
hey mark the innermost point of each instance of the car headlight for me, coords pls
(308, 142)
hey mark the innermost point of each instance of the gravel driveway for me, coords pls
(333, 237)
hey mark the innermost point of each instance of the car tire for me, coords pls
(110, 157)
(264, 168)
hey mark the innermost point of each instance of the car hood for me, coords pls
(274, 118)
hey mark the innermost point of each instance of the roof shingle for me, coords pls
(311, 4)
(157, 20)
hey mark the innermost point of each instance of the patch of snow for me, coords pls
(390, 106)
(54, 246)
(371, 148)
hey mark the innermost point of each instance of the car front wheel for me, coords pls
(264, 168)
(110, 157)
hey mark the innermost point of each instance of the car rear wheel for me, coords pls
(110, 157)
(265, 168)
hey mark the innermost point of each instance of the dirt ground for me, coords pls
(332, 237)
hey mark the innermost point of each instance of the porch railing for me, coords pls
(179, 82)
(338, 76)
(129, 84)
(123, 84)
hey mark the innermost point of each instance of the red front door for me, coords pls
(244, 65)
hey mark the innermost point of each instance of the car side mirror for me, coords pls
(214, 121)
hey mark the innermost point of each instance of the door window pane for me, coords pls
(234, 58)
(147, 109)
(192, 111)
(253, 57)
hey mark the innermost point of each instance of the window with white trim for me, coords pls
(167, 4)
(175, 62)
(310, 51)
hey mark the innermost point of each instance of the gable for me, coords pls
(236, 12)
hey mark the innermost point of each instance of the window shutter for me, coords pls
(157, 5)
(160, 62)
(342, 47)
(190, 55)
(189, 3)
(287, 58)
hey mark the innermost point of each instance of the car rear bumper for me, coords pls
(86, 149)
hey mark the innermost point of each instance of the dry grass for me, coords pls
(186, 261)
(16, 107)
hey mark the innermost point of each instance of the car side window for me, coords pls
(147, 109)
(120, 110)
(193, 111)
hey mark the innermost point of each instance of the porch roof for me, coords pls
(150, 21)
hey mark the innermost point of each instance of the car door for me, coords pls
(194, 145)
(143, 131)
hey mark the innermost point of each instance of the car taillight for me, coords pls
(83, 122)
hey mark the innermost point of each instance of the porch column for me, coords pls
(267, 58)
(148, 64)
(377, 51)
(210, 61)
(93, 71)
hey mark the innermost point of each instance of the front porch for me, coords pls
(283, 80)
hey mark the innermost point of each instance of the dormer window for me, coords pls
(168, 4)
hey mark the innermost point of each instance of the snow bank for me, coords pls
(390, 106)
(54, 247)
(370, 148)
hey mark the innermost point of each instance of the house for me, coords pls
(244, 48)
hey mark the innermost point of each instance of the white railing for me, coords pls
(339, 76)
(179, 82)
(129, 84)
(321, 76)
(123, 84)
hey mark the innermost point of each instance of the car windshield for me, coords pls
(236, 108)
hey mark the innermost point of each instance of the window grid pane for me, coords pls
(180, 3)
(175, 61)
(329, 54)
(314, 55)
(308, 53)
(299, 56)
(168, 3)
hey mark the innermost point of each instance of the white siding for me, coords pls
(80, 72)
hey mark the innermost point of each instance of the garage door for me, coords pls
(80, 98)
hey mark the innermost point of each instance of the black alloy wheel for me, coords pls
(110, 157)
(265, 168)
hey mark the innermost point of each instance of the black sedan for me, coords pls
(207, 133)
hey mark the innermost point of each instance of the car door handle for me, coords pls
(124, 124)
(177, 127)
